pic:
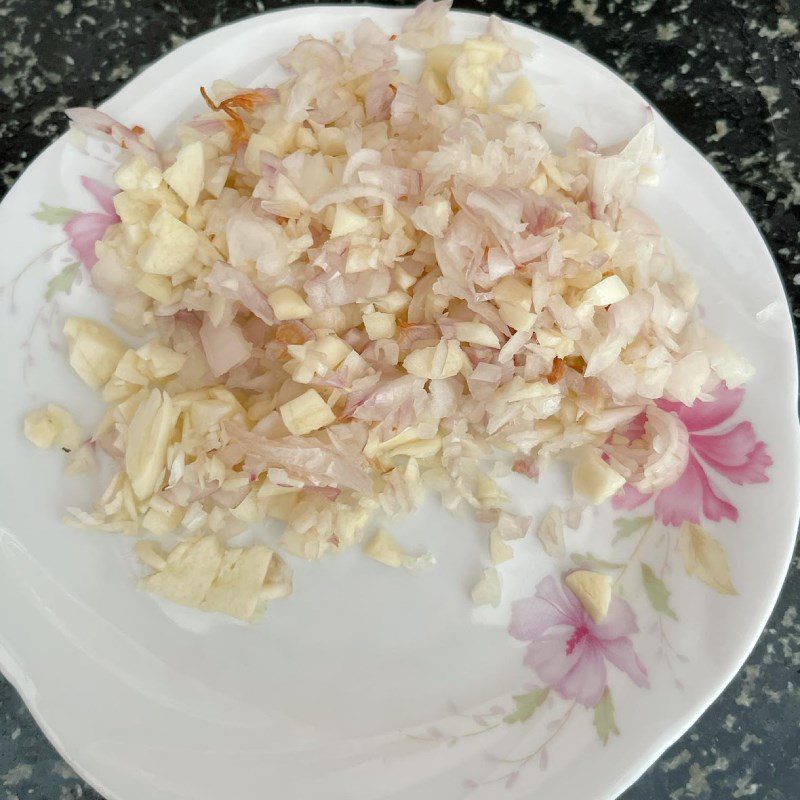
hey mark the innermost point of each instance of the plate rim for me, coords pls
(677, 728)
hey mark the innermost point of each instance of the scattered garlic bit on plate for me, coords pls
(593, 589)
(357, 287)
(203, 574)
(488, 590)
(94, 350)
(499, 551)
(512, 526)
(81, 460)
(594, 480)
(551, 533)
(52, 426)
(383, 547)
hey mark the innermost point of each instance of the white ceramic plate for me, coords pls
(368, 683)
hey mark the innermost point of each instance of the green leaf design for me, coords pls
(627, 526)
(63, 281)
(604, 722)
(589, 561)
(526, 705)
(54, 215)
(657, 592)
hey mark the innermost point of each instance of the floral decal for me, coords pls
(574, 658)
(568, 650)
(735, 454)
(85, 228)
(82, 230)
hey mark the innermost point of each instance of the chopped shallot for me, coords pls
(359, 287)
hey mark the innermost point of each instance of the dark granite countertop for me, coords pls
(725, 72)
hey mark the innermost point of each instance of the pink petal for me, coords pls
(704, 415)
(579, 674)
(715, 507)
(552, 591)
(690, 495)
(621, 654)
(684, 499)
(620, 621)
(735, 454)
(532, 617)
(83, 230)
(103, 194)
(629, 497)
(586, 681)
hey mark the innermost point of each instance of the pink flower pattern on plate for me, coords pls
(86, 228)
(735, 454)
(568, 650)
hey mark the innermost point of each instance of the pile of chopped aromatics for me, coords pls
(358, 288)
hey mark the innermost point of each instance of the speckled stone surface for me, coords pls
(725, 72)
